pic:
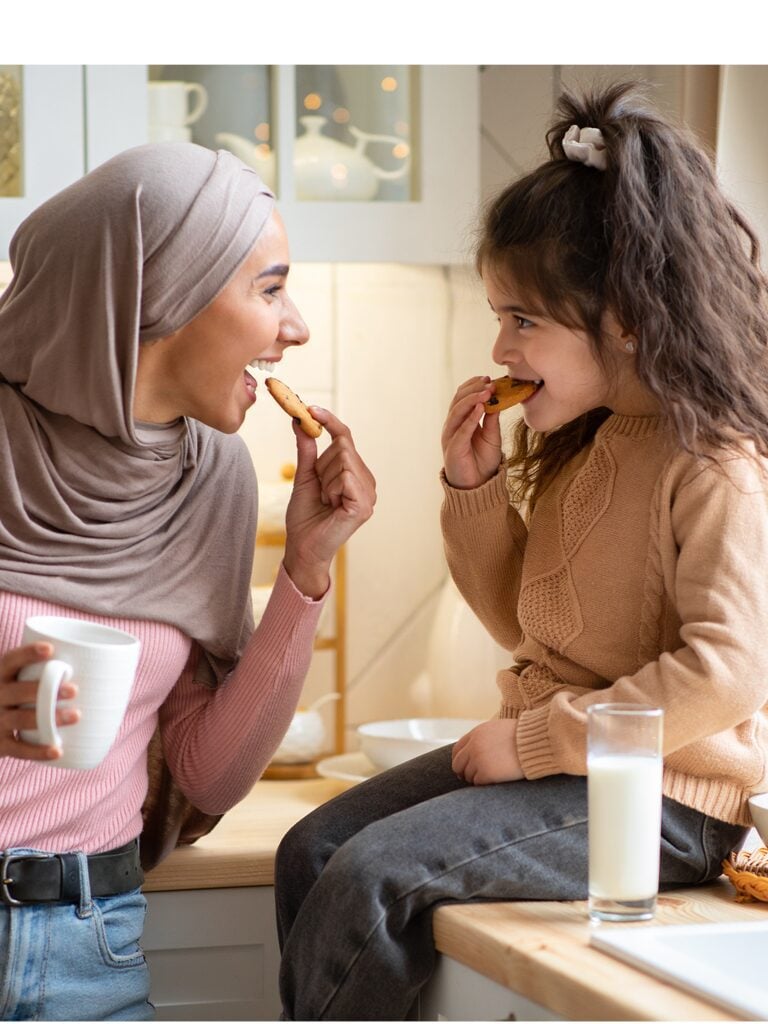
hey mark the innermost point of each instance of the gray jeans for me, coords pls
(357, 880)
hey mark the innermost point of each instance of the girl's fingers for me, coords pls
(461, 411)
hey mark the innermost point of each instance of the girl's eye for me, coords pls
(522, 322)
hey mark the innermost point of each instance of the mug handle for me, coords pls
(200, 106)
(54, 674)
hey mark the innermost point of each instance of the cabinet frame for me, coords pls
(77, 116)
(431, 229)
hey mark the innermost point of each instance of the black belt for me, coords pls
(55, 877)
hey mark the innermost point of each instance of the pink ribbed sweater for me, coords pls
(642, 577)
(217, 742)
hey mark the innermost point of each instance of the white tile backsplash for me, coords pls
(389, 343)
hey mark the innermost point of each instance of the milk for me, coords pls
(624, 825)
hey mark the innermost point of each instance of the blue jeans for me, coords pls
(67, 961)
(357, 880)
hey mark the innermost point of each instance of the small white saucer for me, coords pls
(353, 767)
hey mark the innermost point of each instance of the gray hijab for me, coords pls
(98, 512)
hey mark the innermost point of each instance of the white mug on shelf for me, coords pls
(169, 103)
(169, 133)
(102, 662)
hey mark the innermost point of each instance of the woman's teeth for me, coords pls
(261, 364)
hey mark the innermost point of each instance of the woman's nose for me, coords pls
(293, 330)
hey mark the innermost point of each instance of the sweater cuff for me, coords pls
(533, 746)
(473, 501)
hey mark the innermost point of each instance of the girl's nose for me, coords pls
(505, 352)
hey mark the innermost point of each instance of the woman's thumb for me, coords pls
(306, 452)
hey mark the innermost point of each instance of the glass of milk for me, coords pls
(624, 766)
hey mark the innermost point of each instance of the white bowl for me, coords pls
(386, 744)
(758, 806)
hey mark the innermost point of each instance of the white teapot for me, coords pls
(324, 167)
(328, 169)
(259, 156)
(305, 739)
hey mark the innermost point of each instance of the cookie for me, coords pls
(294, 406)
(508, 393)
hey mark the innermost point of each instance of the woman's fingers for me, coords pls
(17, 704)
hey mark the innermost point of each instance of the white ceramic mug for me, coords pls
(169, 133)
(102, 662)
(169, 103)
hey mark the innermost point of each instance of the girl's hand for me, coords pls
(14, 693)
(488, 753)
(471, 443)
(333, 494)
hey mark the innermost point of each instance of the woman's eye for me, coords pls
(273, 290)
(522, 322)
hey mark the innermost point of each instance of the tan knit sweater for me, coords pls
(642, 577)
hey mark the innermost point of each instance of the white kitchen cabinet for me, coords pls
(75, 117)
(71, 118)
(213, 954)
(456, 992)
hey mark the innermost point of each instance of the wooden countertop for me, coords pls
(539, 950)
(241, 849)
(542, 952)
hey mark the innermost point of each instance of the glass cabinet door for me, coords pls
(222, 106)
(353, 133)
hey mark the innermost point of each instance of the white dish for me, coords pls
(724, 963)
(353, 767)
(391, 742)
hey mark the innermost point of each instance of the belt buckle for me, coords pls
(5, 881)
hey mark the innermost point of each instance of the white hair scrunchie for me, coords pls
(587, 146)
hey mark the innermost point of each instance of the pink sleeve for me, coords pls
(218, 742)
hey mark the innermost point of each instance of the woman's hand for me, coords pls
(471, 443)
(488, 753)
(15, 693)
(333, 494)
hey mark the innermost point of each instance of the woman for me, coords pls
(139, 295)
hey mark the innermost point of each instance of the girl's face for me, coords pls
(199, 371)
(534, 347)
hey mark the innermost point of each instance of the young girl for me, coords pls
(627, 286)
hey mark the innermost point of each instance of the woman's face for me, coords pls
(199, 371)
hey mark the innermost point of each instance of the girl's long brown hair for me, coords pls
(654, 240)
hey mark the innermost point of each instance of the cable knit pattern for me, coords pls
(586, 498)
(218, 741)
(642, 577)
(549, 609)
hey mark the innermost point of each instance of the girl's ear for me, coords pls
(622, 337)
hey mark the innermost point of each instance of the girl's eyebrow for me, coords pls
(276, 270)
(514, 309)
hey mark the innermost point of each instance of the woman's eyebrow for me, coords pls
(276, 270)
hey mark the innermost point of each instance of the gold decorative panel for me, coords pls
(10, 130)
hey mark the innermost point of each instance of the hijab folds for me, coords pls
(98, 512)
